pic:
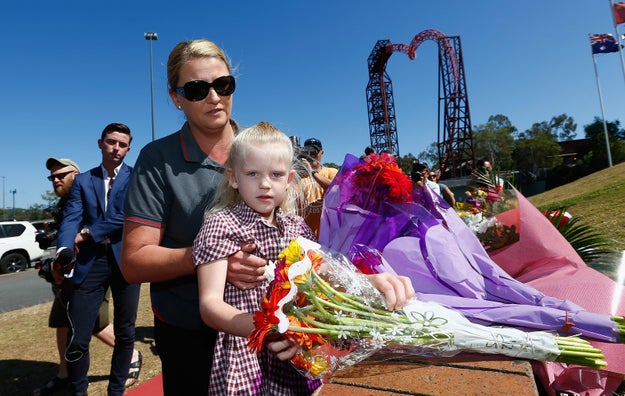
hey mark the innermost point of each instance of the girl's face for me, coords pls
(212, 113)
(262, 180)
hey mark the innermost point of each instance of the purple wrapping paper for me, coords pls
(427, 242)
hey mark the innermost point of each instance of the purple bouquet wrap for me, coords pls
(428, 242)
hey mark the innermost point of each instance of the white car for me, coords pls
(18, 247)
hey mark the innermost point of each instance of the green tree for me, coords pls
(597, 158)
(536, 152)
(494, 141)
(564, 127)
(50, 198)
(430, 156)
(405, 163)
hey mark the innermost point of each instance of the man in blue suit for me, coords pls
(92, 230)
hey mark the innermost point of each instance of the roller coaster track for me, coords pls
(455, 143)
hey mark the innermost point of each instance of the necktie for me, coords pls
(110, 187)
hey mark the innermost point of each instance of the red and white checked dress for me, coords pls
(236, 370)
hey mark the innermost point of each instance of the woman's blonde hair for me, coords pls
(184, 51)
(254, 136)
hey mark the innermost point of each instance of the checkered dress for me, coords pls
(236, 371)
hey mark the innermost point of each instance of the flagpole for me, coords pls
(618, 37)
(605, 126)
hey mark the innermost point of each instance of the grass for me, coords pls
(597, 201)
(28, 354)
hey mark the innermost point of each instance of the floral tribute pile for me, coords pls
(424, 239)
(337, 318)
(492, 213)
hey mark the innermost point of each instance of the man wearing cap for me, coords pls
(62, 173)
(319, 179)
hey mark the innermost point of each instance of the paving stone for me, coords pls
(466, 375)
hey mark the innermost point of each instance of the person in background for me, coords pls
(368, 151)
(62, 173)
(315, 182)
(445, 191)
(430, 178)
(174, 181)
(92, 230)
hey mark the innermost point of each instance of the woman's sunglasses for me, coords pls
(197, 90)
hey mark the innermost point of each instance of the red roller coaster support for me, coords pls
(455, 143)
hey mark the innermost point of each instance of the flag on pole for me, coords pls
(603, 43)
(619, 11)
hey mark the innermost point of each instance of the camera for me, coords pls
(62, 263)
(416, 173)
(45, 239)
(45, 270)
(306, 152)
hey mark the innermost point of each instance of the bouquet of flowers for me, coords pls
(491, 212)
(335, 315)
(424, 239)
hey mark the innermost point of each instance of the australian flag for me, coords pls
(603, 43)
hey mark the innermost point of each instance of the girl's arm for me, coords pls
(215, 312)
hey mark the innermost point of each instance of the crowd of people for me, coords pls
(160, 222)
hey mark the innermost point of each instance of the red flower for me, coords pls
(379, 179)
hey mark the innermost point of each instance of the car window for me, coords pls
(12, 230)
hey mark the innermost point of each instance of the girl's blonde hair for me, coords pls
(260, 134)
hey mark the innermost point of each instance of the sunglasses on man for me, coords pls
(197, 90)
(59, 176)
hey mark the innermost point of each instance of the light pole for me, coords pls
(3, 203)
(13, 192)
(151, 36)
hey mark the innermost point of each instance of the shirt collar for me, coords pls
(105, 174)
(249, 217)
(190, 149)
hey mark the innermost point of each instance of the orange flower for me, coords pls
(314, 364)
(305, 340)
(264, 324)
(265, 321)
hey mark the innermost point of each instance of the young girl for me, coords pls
(257, 203)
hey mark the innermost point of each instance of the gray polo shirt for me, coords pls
(172, 184)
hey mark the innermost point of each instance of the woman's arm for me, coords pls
(215, 312)
(143, 260)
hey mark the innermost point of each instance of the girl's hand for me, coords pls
(281, 347)
(397, 290)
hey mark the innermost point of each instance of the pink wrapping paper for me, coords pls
(545, 260)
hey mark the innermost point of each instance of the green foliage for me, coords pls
(597, 158)
(592, 245)
(494, 141)
(540, 151)
(405, 163)
(430, 156)
(564, 127)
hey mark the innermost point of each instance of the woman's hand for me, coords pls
(397, 290)
(245, 270)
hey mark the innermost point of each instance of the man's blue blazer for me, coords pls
(85, 208)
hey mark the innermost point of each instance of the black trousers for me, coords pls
(186, 358)
(83, 309)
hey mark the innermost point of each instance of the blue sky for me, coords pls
(71, 67)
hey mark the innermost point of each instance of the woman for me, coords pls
(174, 180)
